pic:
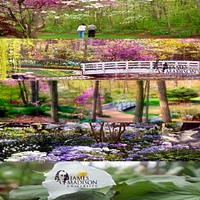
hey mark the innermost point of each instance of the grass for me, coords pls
(153, 111)
(154, 108)
(49, 72)
(75, 35)
(153, 102)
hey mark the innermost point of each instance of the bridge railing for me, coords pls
(191, 67)
(123, 105)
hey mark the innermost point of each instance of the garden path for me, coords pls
(116, 116)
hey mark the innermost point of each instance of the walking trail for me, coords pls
(116, 116)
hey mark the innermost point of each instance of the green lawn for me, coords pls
(49, 72)
(75, 35)
(187, 108)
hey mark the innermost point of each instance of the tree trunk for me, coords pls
(99, 106)
(34, 95)
(94, 108)
(147, 101)
(22, 93)
(164, 107)
(139, 101)
(85, 49)
(34, 91)
(54, 100)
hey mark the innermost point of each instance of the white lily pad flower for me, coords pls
(70, 177)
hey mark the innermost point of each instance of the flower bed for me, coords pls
(72, 141)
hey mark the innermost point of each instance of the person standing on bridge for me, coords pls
(81, 30)
(155, 65)
(165, 66)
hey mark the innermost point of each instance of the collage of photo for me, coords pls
(100, 100)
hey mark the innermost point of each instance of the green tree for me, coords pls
(3, 58)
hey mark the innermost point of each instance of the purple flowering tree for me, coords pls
(27, 14)
(88, 97)
(122, 50)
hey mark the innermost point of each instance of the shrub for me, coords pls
(3, 112)
(161, 32)
(33, 110)
(182, 94)
(107, 96)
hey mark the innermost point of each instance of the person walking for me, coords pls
(91, 30)
(81, 30)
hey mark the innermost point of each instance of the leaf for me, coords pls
(103, 190)
(158, 187)
(30, 192)
(169, 196)
(87, 195)
(177, 180)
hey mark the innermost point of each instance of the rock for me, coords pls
(156, 119)
(186, 137)
(166, 144)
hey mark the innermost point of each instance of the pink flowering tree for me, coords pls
(27, 14)
(86, 97)
(122, 50)
(30, 15)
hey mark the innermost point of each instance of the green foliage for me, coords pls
(52, 63)
(98, 35)
(175, 18)
(3, 111)
(183, 33)
(152, 187)
(158, 187)
(174, 154)
(175, 115)
(107, 96)
(33, 110)
(8, 92)
(182, 94)
(49, 72)
(153, 102)
(66, 109)
(33, 192)
(161, 32)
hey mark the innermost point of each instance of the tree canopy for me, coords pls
(126, 16)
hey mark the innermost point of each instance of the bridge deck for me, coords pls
(179, 67)
(134, 70)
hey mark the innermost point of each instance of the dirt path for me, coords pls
(116, 116)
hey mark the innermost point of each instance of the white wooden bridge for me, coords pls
(126, 70)
(120, 105)
(124, 105)
(167, 66)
